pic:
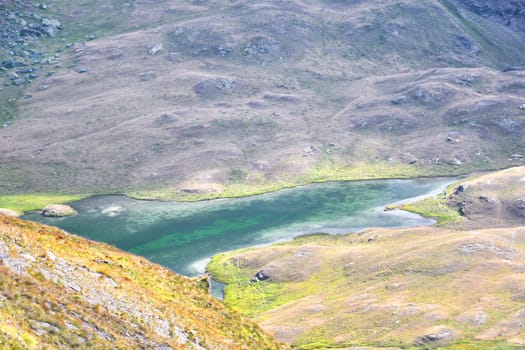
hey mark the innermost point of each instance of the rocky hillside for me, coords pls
(493, 200)
(199, 96)
(456, 286)
(61, 291)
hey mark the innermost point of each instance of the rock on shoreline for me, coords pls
(8, 212)
(58, 210)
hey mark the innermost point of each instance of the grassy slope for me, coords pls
(384, 292)
(78, 293)
(324, 173)
(387, 287)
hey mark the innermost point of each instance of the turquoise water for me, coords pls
(181, 236)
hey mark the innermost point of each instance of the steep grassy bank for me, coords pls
(61, 291)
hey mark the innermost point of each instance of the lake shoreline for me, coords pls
(181, 235)
(23, 203)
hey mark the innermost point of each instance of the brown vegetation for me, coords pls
(61, 291)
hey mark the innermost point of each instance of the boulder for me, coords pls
(8, 212)
(458, 190)
(261, 276)
(58, 210)
(474, 318)
(517, 207)
(51, 26)
(215, 87)
(439, 335)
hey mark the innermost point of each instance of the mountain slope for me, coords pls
(195, 97)
(61, 291)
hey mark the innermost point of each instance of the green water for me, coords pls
(181, 236)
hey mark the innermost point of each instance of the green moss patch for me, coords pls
(26, 202)
(435, 208)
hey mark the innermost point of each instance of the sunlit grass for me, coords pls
(26, 202)
(436, 207)
(140, 284)
(351, 283)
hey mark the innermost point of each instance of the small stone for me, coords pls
(393, 286)
(373, 238)
(8, 64)
(390, 207)
(155, 48)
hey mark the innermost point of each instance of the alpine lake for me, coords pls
(184, 235)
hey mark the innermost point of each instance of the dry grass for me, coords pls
(101, 297)
(383, 288)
